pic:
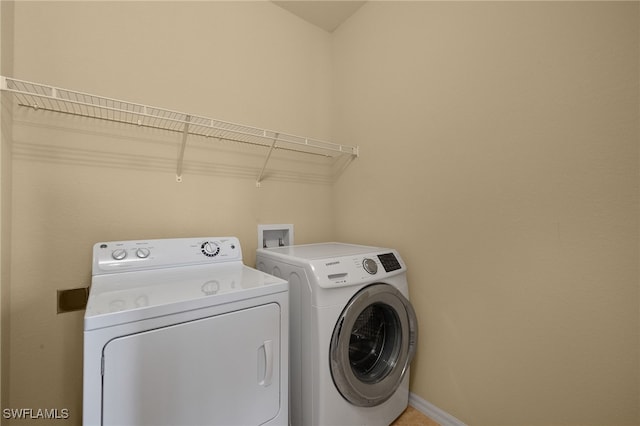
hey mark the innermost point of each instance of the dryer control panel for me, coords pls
(122, 256)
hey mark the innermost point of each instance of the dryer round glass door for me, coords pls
(372, 345)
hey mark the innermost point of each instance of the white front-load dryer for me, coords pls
(353, 332)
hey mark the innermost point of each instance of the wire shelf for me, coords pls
(50, 98)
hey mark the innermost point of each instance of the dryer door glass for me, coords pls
(372, 345)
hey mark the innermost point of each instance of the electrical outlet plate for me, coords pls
(72, 300)
(275, 235)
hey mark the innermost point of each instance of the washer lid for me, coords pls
(133, 296)
(323, 250)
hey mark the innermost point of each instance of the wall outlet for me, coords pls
(275, 235)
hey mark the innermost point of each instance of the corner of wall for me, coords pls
(6, 139)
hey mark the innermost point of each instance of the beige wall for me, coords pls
(499, 155)
(499, 150)
(6, 137)
(77, 181)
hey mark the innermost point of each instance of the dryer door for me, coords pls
(372, 345)
(220, 370)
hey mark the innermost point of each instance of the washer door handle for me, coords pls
(268, 363)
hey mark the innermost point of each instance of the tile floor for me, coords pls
(413, 417)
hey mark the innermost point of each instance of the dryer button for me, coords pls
(370, 266)
(210, 248)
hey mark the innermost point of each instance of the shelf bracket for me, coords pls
(185, 133)
(341, 168)
(266, 160)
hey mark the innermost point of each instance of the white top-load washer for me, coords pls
(181, 332)
(353, 332)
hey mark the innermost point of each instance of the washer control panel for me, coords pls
(343, 271)
(121, 256)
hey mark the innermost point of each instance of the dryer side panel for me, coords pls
(223, 369)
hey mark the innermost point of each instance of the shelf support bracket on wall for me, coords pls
(345, 163)
(266, 160)
(185, 133)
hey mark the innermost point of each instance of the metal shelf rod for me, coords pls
(45, 97)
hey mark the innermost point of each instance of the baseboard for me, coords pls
(433, 412)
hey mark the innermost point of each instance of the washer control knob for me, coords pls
(119, 254)
(210, 249)
(370, 266)
(143, 252)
